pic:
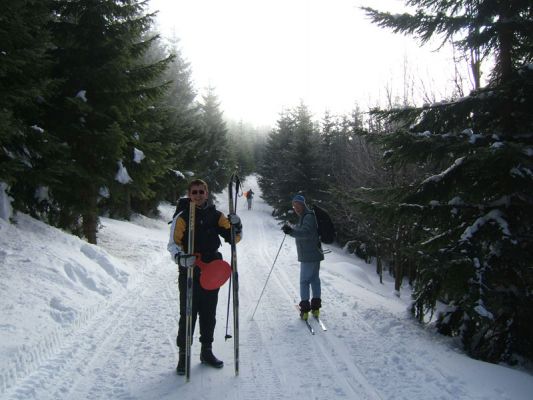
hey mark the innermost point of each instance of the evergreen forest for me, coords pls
(99, 116)
(438, 195)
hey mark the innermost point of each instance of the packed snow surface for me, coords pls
(79, 321)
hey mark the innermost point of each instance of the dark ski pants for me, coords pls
(204, 304)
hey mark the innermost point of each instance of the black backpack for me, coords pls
(183, 204)
(326, 229)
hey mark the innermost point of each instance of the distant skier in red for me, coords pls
(249, 197)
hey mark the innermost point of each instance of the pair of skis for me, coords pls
(233, 187)
(308, 324)
(310, 327)
(234, 181)
(188, 303)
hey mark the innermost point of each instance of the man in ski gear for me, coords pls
(249, 197)
(210, 225)
(309, 254)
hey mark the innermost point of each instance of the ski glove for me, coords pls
(185, 260)
(235, 221)
(286, 229)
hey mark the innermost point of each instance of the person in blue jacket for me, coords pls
(310, 254)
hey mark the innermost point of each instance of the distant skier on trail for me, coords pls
(249, 197)
(310, 255)
(209, 225)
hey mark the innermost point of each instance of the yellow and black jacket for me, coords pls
(210, 225)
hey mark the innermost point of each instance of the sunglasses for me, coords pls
(198, 191)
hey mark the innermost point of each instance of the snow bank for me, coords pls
(48, 290)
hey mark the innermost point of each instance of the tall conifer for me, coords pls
(180, 125)
(212, 156)
(292, 162)
(275, 168)
(27, 149)
(472, 218)
(104, 110)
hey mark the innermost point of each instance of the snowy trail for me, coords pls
(284, 336)
(120, 346)
(372, 349)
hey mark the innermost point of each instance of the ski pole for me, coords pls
(232, 202)
(268, 277)
(236, 339)
(189, 301)
(234, 276)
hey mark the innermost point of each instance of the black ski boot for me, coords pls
(207, 357)
(305, 307)
(180, 369)
(316, 303)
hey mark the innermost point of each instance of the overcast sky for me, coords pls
(265, 55)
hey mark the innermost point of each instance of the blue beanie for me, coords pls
(298, 198)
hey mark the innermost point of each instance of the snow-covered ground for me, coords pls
(79, 321)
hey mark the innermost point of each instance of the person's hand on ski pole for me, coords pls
(287, 229)
(235, 221)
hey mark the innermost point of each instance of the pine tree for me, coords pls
(180, 125)
(161, 130)
(292, 162)
(471, 221)
(103, 110)
(27, 149)
(307, 170)
(275, 169)
(213, 158)
(246, 141)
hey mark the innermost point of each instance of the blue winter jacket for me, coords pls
(307, 242)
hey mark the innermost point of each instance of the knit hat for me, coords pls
(298, 198)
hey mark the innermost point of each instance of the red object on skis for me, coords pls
(214, 274)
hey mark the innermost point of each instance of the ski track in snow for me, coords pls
(127, 349)
(316, 353)
(119, 347)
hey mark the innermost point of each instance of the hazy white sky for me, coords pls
(264, 55)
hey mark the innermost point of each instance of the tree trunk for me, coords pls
(412, 271)
(379, 265)
(475, 67)
(90, 215)
(397, 257)
(505, 44)
(90, 220)
(398, 273)
(505, 65)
